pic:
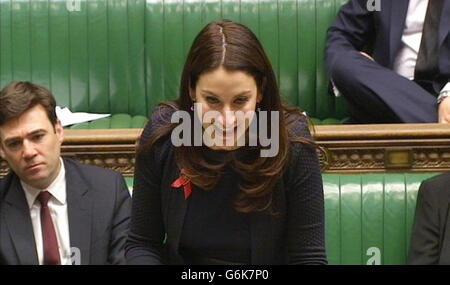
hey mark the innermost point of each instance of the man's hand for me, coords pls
(444, 111)
(366, 55)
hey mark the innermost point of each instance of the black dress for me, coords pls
(166, 228)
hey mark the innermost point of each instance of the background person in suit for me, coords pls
(392, 65)
(430, 243)
(54, 210)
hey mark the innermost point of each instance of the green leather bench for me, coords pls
(123, 57)
(368, 217)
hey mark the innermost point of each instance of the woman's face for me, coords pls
(226, 92)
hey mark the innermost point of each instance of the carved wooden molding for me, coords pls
(113, 149)
(385, 148)
(350, 148)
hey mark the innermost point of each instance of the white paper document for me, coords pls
(68, 118)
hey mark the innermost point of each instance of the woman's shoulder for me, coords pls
(156, 132)
(304, 153)
(162, 114)
(298, 125)
(302, 146)
(159, 119)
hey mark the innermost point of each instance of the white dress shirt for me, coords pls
(58, 211)
(406, 59)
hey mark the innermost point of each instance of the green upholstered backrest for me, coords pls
(126, 56)
(368, 217)
(92, 59)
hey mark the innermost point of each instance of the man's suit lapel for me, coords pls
(444, 26)
(399, 9)
(80, 212)
(18, 220)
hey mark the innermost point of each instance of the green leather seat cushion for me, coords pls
(370, 216)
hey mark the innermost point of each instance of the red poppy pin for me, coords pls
(185, 182)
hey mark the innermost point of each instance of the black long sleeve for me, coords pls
(145, 240)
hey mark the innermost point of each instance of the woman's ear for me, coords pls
(2, 153)
(192, 94)
(261, 91)
(259, 97)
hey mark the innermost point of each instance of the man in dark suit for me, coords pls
(431, 233)
(54, 210)
(392, 64)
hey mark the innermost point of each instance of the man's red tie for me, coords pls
(51, 252)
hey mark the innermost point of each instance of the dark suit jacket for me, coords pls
(98, 204)
(356, 28)
(431, 233)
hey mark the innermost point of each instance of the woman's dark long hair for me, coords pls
(235, 48)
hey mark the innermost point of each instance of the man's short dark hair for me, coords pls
(18, 97)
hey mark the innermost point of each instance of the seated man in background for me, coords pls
(431, 233)
(54, 210)
(392, 65)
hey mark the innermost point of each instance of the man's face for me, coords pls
(31, 145)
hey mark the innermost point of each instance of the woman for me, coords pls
(223, 202)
